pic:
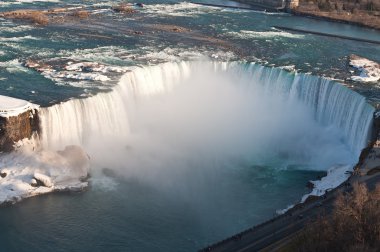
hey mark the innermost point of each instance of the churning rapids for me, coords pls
(200, 150)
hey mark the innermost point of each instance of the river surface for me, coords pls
(193, 157)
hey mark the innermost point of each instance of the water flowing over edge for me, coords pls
(106, 114)
(332, 103)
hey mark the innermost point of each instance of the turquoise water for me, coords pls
(135, 217)
(134, 207)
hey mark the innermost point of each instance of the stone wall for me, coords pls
(15, 128)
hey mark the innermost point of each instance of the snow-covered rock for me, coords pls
(369, 70)
(32, 171)
(10, 106)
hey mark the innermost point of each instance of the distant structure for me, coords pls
(279, 5)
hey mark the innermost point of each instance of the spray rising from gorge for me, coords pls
(176, 121)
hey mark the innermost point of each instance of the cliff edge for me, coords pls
(18, 120)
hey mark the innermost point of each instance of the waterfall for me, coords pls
(79, 120)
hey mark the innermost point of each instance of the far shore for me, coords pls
(372, 22)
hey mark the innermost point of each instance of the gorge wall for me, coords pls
(15, 128)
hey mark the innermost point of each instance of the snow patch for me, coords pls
(183, 9)
(336, 175)
(245, 34)
(12, 107)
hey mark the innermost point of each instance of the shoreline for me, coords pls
(364, 171)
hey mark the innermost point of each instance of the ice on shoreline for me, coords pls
(369, 70)
(336, 175)
(29, 171)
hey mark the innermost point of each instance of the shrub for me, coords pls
(353, 226)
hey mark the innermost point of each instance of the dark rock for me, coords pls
(15, 128)
(310, 185)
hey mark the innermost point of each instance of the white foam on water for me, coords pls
(14, 66)
(9, 27)
(183, 9)
(17, 39)
(246, 34)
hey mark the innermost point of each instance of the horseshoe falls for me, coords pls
(182, 124)
(267, 92)
(203, 148)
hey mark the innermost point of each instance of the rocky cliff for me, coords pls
(18, 120)
(15, 128)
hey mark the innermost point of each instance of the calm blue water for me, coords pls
(135, 217)
(128, 214)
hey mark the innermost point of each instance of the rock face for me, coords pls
(15, 128)
(18, 120)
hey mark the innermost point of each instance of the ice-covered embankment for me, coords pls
(27, 170)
